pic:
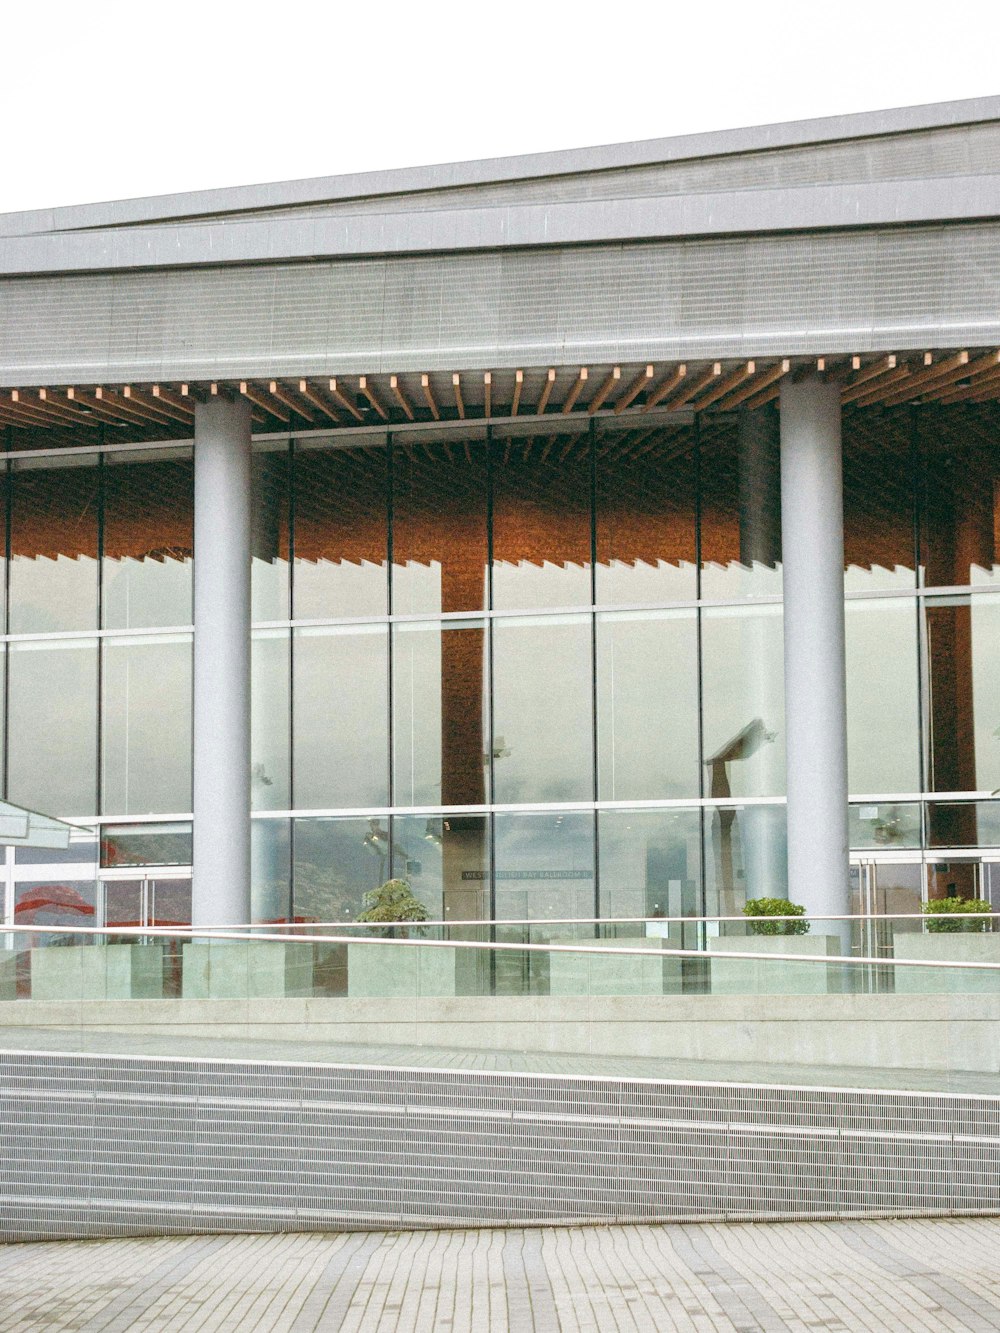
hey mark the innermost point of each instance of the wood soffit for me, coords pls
(568, 394)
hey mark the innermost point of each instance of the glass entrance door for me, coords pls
(882, 888)
(153, 897)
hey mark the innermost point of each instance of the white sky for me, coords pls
(110, 100)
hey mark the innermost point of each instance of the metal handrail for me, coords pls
(195, 933)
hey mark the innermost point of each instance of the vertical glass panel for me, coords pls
(341, 529)
(145, 845)
(124, 902)
(944, 818)
(334, 864)
(883, 709)
(743, 704)
(960, 509)
(146, 725)
(54, 526)
(878, 500)
(269, 533)
(440, 719)
(270, 719)
(646, 514)
(740, 472)
(541, 515)
(446, 862)
(169, 904)
(341, 723)
(54, 902)
(745, 856)
(647, 705)
(148, 539)
(963, 701)
(270, 869)
(542, 709)
(544, 866)
(650, 863)
(885, 824)
(439, 541)
(52, 726)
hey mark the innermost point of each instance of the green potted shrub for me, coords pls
(776, 907)
(952, 916)
(391, 903)
(386, 970)
(954, 932)
(777, 926)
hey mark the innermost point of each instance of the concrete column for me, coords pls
(812, 536)
(221, 890)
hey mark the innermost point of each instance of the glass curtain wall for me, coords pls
(464, 635)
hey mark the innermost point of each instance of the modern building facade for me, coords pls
(604, 534)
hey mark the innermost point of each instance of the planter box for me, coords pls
(240, 969)
(746, 976)
(382, 970)
(97, 972)
(942, 947)
(604, 974)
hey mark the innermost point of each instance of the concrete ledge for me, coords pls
(915, 1032)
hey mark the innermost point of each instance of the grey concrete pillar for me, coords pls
(759, 450)
(812, 537)
(221, 889)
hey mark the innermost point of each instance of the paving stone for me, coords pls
(907, 1275)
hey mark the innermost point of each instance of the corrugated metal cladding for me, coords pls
(97, 1146)
(967, 150)
(781, 294)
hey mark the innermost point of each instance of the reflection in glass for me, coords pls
(963, 645)
(745, 856)
(269, 532)
(341, 529)
(542, 709)
(145, 845)
(883, 752)
(54, 902)
(646, 514)
(53, 544)
(439, 546)
(650, 864)
(544, 865)
(334, 863)
(440, 724)
(541, 516)
(740, 506)
(270, 869)
(960, 499)
(52, 726)
(446, 862)
(948, 819)
(878, 501)
(743, 706)
(647, 705)
(885, 824)
(340, 711)
(270, 719)
(146, 725)
(148, 539)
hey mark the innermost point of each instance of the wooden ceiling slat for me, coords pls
(692, 387)
(372, 397)
(264, 401)
(604, 390)
(343, 400)
(543, 402)
(428, 392)
(755, 386)
(726, 385)
(317, 399)
(575, 391)
(456, 385)
(666, 386)
(642, 381)
(518, 386)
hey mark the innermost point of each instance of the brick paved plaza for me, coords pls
(908, 1275)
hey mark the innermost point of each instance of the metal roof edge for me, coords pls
(373, 235)
(283, 194)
